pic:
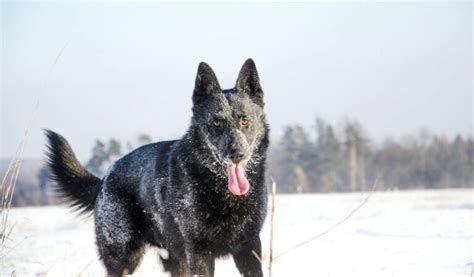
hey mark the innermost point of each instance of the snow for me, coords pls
(397, 233)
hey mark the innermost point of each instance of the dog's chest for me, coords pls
(225, 224)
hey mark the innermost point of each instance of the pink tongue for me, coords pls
(238, 183)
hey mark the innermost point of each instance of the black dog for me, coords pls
(200, 197)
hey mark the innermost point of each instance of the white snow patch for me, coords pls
(404, 233)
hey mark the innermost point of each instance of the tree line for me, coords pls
(326, 159)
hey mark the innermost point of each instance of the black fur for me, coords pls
(174, 194)
(74, 183)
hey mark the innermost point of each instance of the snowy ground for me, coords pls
(409, 233)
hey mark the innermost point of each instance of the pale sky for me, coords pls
(129, 68)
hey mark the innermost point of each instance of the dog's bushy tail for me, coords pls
(73, 182)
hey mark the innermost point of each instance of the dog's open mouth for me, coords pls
(238, 183)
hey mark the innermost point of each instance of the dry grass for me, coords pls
(11, 175)
(7, 188)
(272, 224)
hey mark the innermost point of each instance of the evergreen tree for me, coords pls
(99, 156)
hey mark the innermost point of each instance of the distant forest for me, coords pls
(320, 159)
(325, 159)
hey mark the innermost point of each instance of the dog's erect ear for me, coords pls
(206, 83)
(248, 82)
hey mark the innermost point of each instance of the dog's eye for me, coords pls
(244, 121)
(216, 123)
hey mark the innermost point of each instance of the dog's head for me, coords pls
(231, 122)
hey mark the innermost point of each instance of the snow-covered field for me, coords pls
(409, 233)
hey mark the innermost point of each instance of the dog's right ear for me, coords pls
(206, 83)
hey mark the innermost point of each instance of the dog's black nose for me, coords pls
(236, 155)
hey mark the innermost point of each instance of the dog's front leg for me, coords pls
(201, 264)
(245, 259)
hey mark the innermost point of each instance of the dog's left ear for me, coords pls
(206, 83)
(249, 82)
